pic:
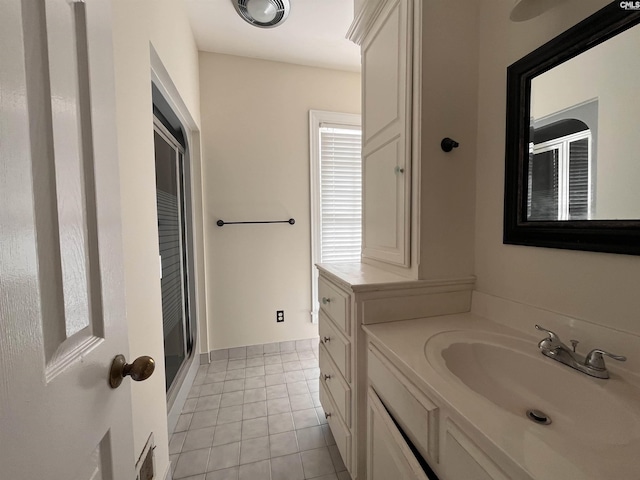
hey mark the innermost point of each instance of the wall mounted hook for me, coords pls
(447, 144)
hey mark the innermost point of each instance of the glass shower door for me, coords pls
(170, 203)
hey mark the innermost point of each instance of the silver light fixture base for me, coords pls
(272, 12)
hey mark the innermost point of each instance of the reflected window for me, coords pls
(560, 176)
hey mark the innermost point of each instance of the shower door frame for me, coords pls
(188, 326)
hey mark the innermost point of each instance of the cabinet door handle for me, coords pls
(398, 170)
(326, 300)
(326, 339)
(327, 415)
(326, 377)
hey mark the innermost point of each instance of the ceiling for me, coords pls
(313, 34)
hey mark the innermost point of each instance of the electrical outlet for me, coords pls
(279, 316)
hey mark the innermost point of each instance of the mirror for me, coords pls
(572, 176)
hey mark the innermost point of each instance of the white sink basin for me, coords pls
(593, 420)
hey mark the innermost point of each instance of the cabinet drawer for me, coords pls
(336, 385)
(340, 431)
(414, 412)
(338, 347)
(335, 303)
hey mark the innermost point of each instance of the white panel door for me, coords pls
(62, 316)
(386, 141)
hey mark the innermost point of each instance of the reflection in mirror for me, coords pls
(560, 180)
(571, 174)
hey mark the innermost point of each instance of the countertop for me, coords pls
(364, 277)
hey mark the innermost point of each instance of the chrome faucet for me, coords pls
(593, 364)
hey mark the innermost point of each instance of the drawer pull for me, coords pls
(326, 339)
(325, 300)
(327, 415)
(326, 377)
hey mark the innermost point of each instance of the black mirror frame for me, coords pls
(614, 236)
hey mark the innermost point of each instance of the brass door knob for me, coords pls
(139, 370)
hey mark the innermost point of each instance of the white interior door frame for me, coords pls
(163, 82)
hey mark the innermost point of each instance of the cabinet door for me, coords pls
(464, 460)
(388, 455)
(415, 414)
(386, 149)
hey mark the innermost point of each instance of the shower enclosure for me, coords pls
(172, 237)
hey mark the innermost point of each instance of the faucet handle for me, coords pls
(552, 336)
(594, 358)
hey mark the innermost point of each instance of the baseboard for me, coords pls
(264, 349)
(205, 358)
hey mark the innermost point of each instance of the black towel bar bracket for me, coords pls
(447, 144)
(221, 223)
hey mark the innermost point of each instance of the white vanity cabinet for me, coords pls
(409, 427)
(398, 413)
(386, 46)
(352, 295)
(336, 352)
(389, 456)
(418, 201)
(407, 409)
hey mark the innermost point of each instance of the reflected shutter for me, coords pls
(579, 180)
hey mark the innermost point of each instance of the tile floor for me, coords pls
(256, 417)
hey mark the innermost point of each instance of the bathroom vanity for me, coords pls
(455, 391)
(352, 295)
(450, 392)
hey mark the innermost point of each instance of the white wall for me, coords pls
(137, 24)
(608, 72)
(449, 109)
(255, 123)
(596, 287)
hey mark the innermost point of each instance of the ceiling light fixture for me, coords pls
(528, 9)
(263, 13)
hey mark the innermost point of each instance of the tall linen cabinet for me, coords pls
(418, 214)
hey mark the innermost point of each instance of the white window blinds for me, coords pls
(340, 194)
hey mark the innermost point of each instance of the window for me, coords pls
(336, 191)
(561, 183)
(340, 195)
(559, 186)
